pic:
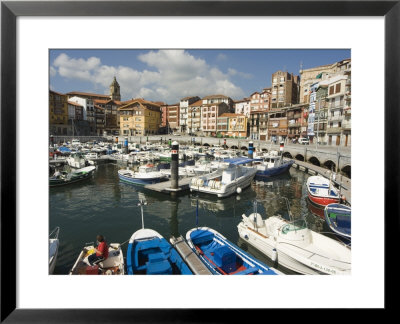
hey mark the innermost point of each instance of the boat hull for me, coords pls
(271, 172)
(228, 189)
(200, 240)
(299, 250)
(322, 201)
(139, 181)
(151, 254)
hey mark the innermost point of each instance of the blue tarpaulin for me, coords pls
(239, 160)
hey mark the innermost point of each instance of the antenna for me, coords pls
(301, 65)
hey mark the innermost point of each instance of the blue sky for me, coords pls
(169, 75)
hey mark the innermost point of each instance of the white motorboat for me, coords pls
(224, 182)
(54, 243)
(113, 265)
(147, 174)
(294, 246)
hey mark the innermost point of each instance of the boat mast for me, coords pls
(141, 203)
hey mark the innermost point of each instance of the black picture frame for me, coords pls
(10, 10)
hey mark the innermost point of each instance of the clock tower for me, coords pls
(114, 90)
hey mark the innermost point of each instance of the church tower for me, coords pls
(114, 90)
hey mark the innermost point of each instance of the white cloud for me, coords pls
(172, 74)
(53, 71)
(221, 57)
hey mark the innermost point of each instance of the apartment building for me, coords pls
(242, 107)
(297, 117)
(209, 114)
(111, 115)
(312, 75)
(260, 101)
(58, 113)
(173, 113)
(194, 117)
(183, 112)
(139, 117)
(277, 125)
(258, 125)
(285, 89)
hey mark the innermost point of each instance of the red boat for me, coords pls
(321, 191)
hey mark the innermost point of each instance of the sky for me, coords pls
(169, 75)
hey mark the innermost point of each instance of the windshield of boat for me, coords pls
(296, 225)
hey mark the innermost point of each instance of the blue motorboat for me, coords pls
(151, 254)
(338, 218)
(271, 164)
(223, 257)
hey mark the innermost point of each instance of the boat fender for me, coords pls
(274, 255)
(238, 190)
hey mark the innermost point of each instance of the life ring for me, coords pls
(150, 165)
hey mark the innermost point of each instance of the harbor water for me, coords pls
(104, 205)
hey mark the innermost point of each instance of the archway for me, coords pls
(314, 160)
(287, 155)
(346, 170)
(206, 144)
(243, 148)
(299, 157)
(330, 165)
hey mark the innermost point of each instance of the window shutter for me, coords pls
(338, 88)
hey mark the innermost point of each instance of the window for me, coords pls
(337, 88)
(331, 90)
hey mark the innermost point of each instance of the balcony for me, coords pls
(336, 118)
(333, 130)
(337, 106)
(294, 125)
(346, 125)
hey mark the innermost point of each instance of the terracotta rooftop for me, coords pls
(74, 104)
(87, 94)
(197, 103)
(231, 115)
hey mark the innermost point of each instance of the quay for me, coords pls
(166, 186)
(188, 255)
(341, 181)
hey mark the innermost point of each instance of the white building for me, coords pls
(242, 107)
(183, 112)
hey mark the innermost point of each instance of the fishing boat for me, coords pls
(223, 257)
(76, 160)
(321, 191)
(61, 178)
(146, 174)
(338, 218)
(233, 177)
(113, 265)
(150, 253)
(54, 243)
(271, 164)
(294, 246)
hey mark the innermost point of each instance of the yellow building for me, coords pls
(139, 117)
(237, 124)
(58, 113)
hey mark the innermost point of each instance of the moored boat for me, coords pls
(113, 265)
(54, 243)
(151, 254)
(338, 218)
(61, 178)
(147, 174)
(271, 164)
(223, 257)
(294, 246)
(225, 181)
(321, 191)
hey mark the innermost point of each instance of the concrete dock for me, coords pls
(166, 186)
(189, 256)
(341, 181)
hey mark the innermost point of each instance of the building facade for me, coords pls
(183, 112)
(58, 113)
(194, 117)
(209, 114)
(242, 107)
(140, 117)
(277, 125)
(297, 120)
(285, 89)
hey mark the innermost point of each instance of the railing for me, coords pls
(334, 130)
(335, 118)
